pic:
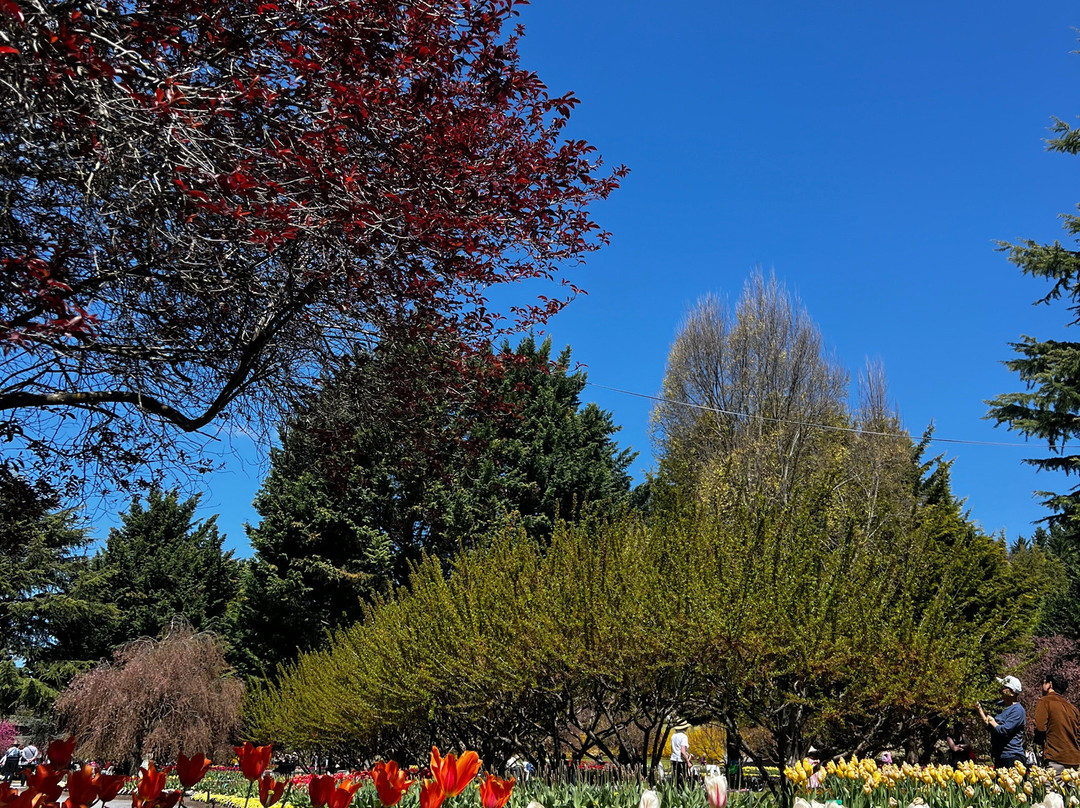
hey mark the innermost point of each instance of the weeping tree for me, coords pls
(156, 698)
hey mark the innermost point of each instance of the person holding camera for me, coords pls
(1007, 727)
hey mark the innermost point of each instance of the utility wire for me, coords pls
(793, 422)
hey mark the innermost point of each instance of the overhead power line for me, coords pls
(794, 422)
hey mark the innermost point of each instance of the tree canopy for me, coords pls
(359, 491)
(156, 698)
(205, 204)
(160, 564)
(48, 600)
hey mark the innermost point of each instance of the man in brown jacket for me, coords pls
(1057, 726)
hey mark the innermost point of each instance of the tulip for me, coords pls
(152, 782)
(495, 792)
(109, 785)
(44, 780)
(431, 795)
(253, 759)
(82, 787)
(320, 787)
(451, 773)
(270, 790)
(191, 770)
(60, 752)
(390, 782)
(341, 796)
(716, 790)
(649, 799)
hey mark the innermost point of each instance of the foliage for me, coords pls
(8, 733)
(160, 564)
(1061, 614)
(1050, 369)
(843, 556)
(156, 698)
(822, 621)
(353, 498)
(206, 204)
(47, 604)
(751, 376)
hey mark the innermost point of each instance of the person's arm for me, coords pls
(1011, 720)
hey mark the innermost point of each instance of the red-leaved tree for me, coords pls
(204, 202)
(157, 698)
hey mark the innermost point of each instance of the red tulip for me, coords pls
(431, 795)
(60, 752)
(390, 782)
(109, 785)
(320, 787)
(495, 792)
(28, 799)
(45, 781)
(270, 790)
(253, 759)
(453, 774)
(191, 770)
(152, 782)
(82, 787)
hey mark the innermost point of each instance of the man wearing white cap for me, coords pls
(1007, 727)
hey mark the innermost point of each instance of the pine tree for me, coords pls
(162, 563)
(1049, 408)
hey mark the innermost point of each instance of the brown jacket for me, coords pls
(1057, 725)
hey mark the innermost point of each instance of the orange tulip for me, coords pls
(431, 795)
(320, 787)
(82, 787)
(453, 774)
(390, 782)
(191, 770)
(343, 794)
(270, 790)
(253, 759)
(60, 752)
(495, 792)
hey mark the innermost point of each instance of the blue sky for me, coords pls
(870, 154)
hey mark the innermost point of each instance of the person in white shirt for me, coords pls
(28, 756)
(680, 754)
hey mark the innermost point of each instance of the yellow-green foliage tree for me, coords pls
(813, 620)
(804, 570)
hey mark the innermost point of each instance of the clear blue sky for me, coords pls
(870, 154)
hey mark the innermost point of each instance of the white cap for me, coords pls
(1012, 683)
